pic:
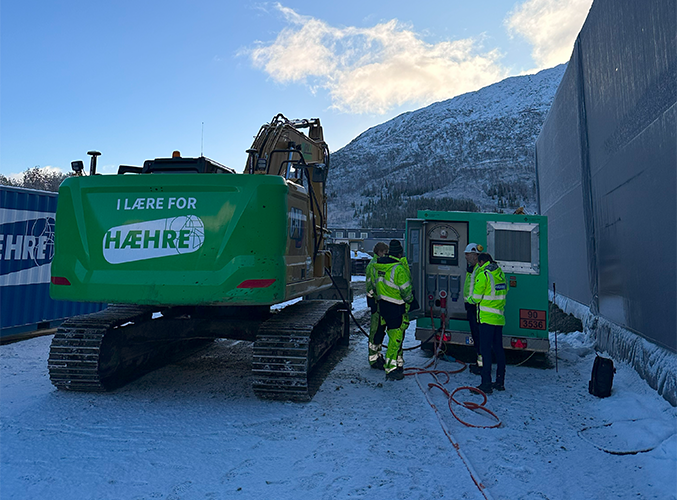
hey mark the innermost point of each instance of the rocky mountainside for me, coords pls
(473, 152)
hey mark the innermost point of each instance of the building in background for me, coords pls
(364, 240)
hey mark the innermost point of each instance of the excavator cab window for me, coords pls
(319, 172)
(294, 170)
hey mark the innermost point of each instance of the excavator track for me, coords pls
(104, 350)
(292, 343)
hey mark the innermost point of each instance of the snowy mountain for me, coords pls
(472, 152)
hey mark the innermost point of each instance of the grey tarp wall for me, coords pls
(606, 163)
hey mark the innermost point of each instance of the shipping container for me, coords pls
(27, 219)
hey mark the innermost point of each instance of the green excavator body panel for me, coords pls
(183, 239)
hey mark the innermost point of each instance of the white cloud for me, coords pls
(551, 26)
(372, 70)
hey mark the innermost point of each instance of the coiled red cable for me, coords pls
(430, 368)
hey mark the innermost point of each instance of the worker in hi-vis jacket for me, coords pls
(376, 327)
(395, 297)
(489, 293)
(471, 253)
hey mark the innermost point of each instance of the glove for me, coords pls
(414, 304)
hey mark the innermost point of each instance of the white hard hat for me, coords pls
(474, 248)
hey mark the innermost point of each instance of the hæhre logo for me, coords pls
(153, 239)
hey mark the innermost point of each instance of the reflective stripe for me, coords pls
(391, 284)
(494, 295)
(405, 285)
(370, 293)
(373, 357)
(471, 280)
(375, 347)
(391, 299)
(490, 310)
(477, 296)
(493, 289)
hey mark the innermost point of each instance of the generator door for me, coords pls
(415, 257)
(445, 267)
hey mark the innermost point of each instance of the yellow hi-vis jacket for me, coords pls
(469, 284)
(393, 280)
(489, 293)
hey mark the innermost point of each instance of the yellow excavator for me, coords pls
(185, 250)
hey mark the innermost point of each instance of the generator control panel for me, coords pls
(440, 253)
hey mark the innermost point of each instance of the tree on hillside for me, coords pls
(36, 178)
(391, 209)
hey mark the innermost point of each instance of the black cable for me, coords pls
(345, 302)
(318, 209)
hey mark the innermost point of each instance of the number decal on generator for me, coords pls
(532, 319)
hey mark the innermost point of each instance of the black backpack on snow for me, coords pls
(602, 377)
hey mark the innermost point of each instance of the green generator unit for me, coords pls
(435, 246)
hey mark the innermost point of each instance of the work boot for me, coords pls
(396, 374)
(378, 364)
(475, 369)
(485, 388)
(498, 386)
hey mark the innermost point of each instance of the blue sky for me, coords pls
(136, 80)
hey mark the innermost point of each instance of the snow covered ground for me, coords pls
(195, 430)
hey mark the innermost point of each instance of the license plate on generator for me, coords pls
(533, 319)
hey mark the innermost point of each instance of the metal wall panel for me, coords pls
(26, 252)
(623, 85)
(558, 165)
(630, 74)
